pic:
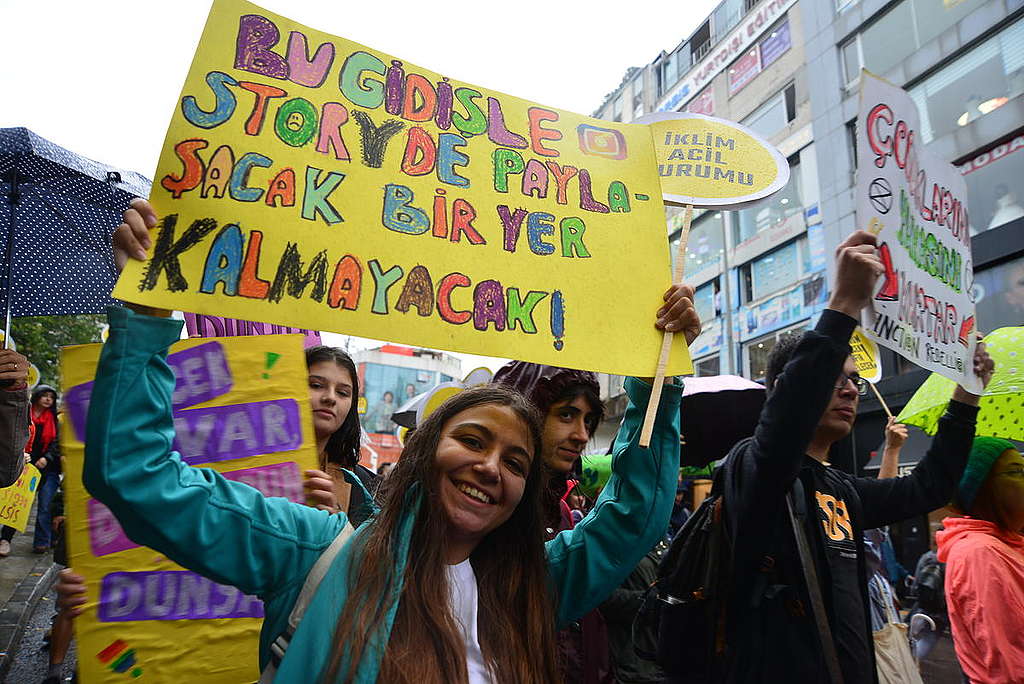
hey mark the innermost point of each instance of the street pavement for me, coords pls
(32, 657)
(25, 579)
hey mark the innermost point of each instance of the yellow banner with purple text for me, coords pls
(241, 407)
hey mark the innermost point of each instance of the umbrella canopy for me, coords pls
(1002, 405)
(717, 412)
(58, 211)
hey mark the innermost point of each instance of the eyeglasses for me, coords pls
(859, 383)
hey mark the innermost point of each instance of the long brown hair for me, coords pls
(515, 607)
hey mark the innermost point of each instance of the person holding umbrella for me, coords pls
(14, 430)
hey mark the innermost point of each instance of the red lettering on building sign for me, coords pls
(996, 153)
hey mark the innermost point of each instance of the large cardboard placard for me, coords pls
(310, 181)
(916, 204)
(241, 407)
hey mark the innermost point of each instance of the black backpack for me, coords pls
(686, 606)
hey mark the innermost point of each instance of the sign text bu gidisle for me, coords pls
(310, 181)
(240, 406)
(916, 204)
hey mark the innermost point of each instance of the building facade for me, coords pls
(790, 70)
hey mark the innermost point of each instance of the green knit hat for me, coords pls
(984, 453)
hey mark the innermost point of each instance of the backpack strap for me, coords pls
(313, 578)
(828, 646)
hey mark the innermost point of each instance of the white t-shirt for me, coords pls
(463, 596)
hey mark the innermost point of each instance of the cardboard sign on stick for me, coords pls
(706, 162)
(916, 204)
(865, 355)
(710, 162)
(147, 617)
(310, 181)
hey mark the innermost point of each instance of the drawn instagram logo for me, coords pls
(120, 659)
(601, 142)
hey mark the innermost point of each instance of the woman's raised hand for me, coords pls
(131, 238)
(678, 315)
(320, 491)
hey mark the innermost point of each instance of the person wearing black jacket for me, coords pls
(813, 390)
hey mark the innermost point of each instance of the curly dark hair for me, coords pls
(343, 445)
(780, 355)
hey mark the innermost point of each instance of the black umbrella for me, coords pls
(717, 412)
(58, 211)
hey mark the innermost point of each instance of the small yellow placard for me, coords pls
(709, 162)
(865, 355)
(16, 500)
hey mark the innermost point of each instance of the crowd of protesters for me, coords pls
(493, 552)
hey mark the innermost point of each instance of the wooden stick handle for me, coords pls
(666, 342)
(880, 399)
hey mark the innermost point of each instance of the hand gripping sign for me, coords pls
(310, 181)
(236, 412)
(706, 162)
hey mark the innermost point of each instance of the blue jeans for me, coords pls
(44, 530)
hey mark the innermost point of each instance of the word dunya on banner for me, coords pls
(241, 407)
(310, 181)
(917, 206)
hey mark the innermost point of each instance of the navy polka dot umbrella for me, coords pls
(58, 211)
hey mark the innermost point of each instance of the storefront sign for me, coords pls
(792, 306)
(765, 240)
(703, 103)
(709, 340)
(775, 45)
(735, 44)
(744, 70)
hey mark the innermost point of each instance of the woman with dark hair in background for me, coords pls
(333, 383)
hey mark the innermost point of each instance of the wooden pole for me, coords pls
(666, 342)
(880, 399)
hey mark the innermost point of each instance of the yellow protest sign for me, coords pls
(16, 500)
(709, 162)
(146, 616)
(310, 181)
(865, 355)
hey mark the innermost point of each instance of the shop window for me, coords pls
(999, 295)
(700, 43)
(709, 365)
(852, 60)
(977, 83)
(771, 211)
(777, 269)
(705, 245)
(900, 32)
(773, 115)
(995, 185)
(757, 351)
(726, 16)
(707, 300)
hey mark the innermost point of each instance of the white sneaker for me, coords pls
(5, 548)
